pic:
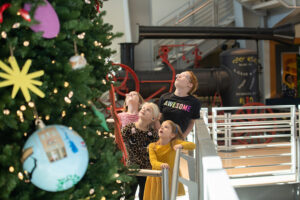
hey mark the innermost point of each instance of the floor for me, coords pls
(259, 161)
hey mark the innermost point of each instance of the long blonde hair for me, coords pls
(154, 108)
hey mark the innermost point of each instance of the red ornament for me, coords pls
(97, 6)
(2, 9)
(22, 12)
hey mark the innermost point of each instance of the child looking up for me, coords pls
(132, 105)
(181, 106)
(162, 154)
(137, 136)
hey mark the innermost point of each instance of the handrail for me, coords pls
(242, 133)
(164, 174)
(175, 175)
(193, 12)
(287, 5)
(212, 177)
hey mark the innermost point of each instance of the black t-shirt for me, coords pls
(179, 109)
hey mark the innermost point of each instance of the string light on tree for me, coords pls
(98, 132)
(55, 91)
(3, 34)
(31, 104)
(66, 84)
(11, 169)
(47, 117)
(81, 36)
(23, 108)
(20, 114)
(16, 25)
(63, 114)
(26, 43)
(6, 112)
(119, 181)
(70, 95)
(92, 191)
(20, 176)
(67, 100)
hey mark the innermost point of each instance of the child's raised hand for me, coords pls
(177, 146)
(164, 165)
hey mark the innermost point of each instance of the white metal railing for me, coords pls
(213, 181)
(208, 180)
(157, 173)
(248, 131)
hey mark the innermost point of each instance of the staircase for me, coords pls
(217, 13)
(202, 13)
(277, 12)
(257, 5)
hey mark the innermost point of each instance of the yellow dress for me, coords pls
(163, 154)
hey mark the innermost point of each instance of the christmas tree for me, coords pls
(37, 81)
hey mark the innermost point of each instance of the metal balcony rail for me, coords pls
(156, 173)
(211, 176)
(259, 143)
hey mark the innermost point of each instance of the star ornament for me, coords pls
(21, 78)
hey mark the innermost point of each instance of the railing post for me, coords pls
(175, 175)
(165, 184)
(298, 145)
(228, 133)
(215, 12)
(294, 139)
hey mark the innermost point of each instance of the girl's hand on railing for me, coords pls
(165, 165)
(177, 146)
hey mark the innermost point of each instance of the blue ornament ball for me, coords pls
(55, 157)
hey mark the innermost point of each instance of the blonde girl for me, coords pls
(162, 155)
(137, 136)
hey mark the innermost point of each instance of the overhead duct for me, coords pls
(283, 34)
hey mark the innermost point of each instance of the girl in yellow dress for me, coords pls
(162, 155)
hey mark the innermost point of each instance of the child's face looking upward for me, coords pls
(146, 112)
(165, 131)
(132, 98)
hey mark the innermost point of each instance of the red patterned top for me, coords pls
(126, 118)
